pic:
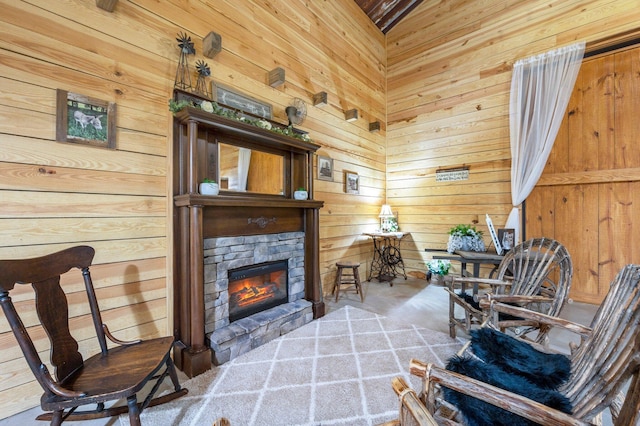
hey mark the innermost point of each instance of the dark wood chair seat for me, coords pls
(116, 373)
(126, 370)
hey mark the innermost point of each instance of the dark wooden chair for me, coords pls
(536, 274)
(605, 366)
(113, 374)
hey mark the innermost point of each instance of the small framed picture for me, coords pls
(325, 168)
(84, 120)
(351, 183)
(506, 236)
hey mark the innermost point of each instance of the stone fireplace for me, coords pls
(213, 235)
(259, 265)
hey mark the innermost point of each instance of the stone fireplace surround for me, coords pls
(229, 340)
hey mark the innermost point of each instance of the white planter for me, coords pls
(209, 188)
(300, 195)
(466, 243)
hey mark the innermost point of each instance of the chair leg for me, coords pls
(56, 419)
(173, 375)
(338, 281)
(452, 324)
(356, 276)
(134, 411)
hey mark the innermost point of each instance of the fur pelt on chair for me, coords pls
(479, 413)
(515, 356)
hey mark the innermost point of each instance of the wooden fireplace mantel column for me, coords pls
(197, 217)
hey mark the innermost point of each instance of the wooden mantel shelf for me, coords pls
(248, 201)
(238, 129)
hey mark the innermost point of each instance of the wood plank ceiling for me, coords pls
(385, 14)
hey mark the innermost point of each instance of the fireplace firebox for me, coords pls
(256, 288)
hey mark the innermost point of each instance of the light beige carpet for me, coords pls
(336, 370)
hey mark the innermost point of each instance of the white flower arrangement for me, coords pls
(439, 266)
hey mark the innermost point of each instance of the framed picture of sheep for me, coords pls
(84, 120)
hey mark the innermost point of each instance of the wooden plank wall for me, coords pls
(56, 195)
(588, 194)
(448, 81)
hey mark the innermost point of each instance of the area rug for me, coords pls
(336, 370)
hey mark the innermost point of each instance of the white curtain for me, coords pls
(244, 159)
(540, 90)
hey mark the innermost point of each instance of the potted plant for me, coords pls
(209, 187)
(300, 194)
(465, 238)
(438, 268)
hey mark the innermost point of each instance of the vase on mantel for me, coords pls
(300, 195)
(209, 188)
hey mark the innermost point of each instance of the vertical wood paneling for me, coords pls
(597, 135)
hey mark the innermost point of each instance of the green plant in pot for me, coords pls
(437, 269)
(209, 187)
(465, 238)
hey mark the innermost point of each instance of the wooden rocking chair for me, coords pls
(605, 366)
(113, 374)
(535, 274)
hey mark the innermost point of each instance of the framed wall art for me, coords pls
(325, 168)
(235, 99)
(351, 183)
(84, 120)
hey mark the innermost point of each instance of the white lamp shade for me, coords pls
(386, 211)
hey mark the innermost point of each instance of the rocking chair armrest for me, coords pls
(116, 340)
(487, 303)
(493, 395)
(410, 401)
(55, 387)
(476, 280)
(507, 298)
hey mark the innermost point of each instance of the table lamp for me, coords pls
(385, 215)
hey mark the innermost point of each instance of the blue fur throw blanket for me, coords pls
(479, 413)
(515, 356)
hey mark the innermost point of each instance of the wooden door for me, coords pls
(588, 197)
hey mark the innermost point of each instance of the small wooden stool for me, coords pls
(344, 276)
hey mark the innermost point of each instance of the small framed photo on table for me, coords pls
(506, 236)
(351, 183)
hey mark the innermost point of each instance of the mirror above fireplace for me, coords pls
(250, 170)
